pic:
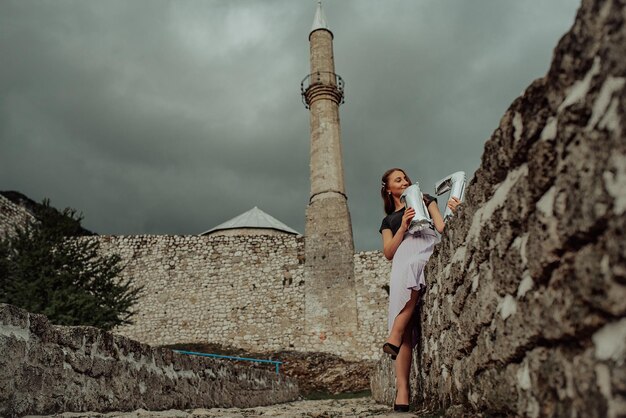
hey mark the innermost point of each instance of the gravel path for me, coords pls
(328, 408)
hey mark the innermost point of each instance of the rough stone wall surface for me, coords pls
(330, 308)
(525, 312)
(46, 369)
(242, 291)
(372, 271)
(246, 292)
(12, 215)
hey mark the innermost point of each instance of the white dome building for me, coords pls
(252, 222)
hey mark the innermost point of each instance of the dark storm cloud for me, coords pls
(174, 116)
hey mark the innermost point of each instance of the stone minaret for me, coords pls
(329, 249)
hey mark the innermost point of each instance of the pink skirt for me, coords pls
(407, 270)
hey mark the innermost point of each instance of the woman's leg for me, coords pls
(402, 320)
(403, 366)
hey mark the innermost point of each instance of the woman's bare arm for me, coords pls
(435, 214)
(392, 242)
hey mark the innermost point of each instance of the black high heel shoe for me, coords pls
(392, 350)
(401, 407)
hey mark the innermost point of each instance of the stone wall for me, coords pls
(246, 291)
(371, 271)
(12, 215)
(242, 291)
(525, 312)
(45, 369)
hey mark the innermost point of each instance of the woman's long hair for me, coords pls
(387, 199)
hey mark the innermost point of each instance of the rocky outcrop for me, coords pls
(27, 209)
(46, 369)
(12, 216)
(317, 374)
(525, 312)
(323, 373)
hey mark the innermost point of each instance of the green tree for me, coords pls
(48, 268)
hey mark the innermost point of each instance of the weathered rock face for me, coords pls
(47, 369)
(316, 374)
(525, 313)
(12, 216)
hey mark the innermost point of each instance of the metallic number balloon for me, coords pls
(455, 182)
(413, 198)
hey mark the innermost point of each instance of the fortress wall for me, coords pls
(371, 272)
(244, 291)
(12, 215)
(240, 291)
(527, 316)
(47, 369)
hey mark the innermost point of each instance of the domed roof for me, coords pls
(254, 218)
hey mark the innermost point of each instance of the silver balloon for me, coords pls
(455, 182)
(413, 198)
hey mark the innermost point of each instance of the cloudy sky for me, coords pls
(172, 116)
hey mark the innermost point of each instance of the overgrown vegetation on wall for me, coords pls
(45, 269)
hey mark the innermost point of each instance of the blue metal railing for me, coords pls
(256, 360)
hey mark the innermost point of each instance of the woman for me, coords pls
(409, 252)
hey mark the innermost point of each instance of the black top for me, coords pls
(393, 221)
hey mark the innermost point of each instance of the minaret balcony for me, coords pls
(322, 85)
